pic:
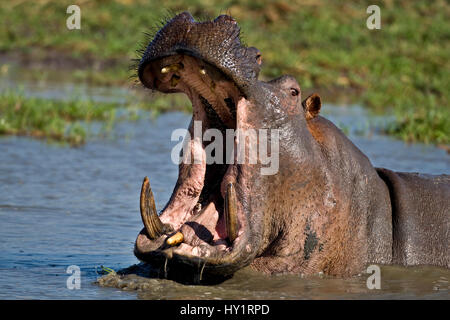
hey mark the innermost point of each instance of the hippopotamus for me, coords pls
(326, 208)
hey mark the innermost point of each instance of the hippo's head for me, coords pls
(221, 216)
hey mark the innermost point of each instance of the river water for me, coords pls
(62, 206)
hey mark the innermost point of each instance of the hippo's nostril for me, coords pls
(225, 18)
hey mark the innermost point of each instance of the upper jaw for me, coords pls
(200, 81)
(215, 42)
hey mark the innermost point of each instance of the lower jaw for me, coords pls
(187, 270)
(206, 263)
(216, 252)
(176, 264)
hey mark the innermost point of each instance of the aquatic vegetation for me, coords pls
(105, 270)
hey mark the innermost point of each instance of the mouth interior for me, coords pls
(202, 207)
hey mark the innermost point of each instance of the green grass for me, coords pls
(430, 124)
(402, 69)
(51, 119)
(68, 121)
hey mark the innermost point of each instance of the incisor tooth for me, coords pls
(176, 239)
(173, 67)
(174, 80)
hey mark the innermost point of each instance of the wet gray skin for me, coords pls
(327, 209)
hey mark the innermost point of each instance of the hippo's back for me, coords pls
(420, 217)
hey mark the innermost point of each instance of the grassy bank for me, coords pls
(69, 121)
(403, 68)
(63, 121)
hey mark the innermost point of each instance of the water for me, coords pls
(62, 206)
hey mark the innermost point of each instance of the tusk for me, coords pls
(176, 239)
(152, 223)
(231, 221)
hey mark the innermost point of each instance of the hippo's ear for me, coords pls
(312, 106)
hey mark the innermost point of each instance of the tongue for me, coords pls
(201, 229)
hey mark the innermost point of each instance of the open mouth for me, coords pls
(204, 221)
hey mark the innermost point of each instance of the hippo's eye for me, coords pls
(294, 92)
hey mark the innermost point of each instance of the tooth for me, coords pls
(176, 239)
(172, 68)
(152, 223)
(231, 221)
(174, 80)
(203, 71)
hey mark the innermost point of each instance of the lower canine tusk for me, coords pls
(176, 239)
(231, 220)
(152, 223)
